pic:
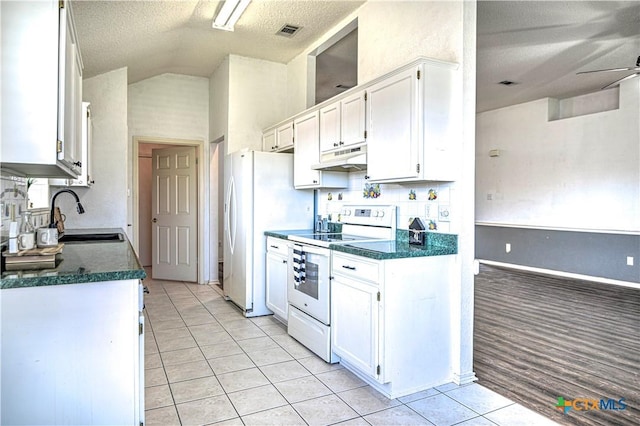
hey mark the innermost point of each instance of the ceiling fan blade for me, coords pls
(615, 83)
(611, 70)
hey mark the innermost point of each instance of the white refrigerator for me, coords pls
(259, 196)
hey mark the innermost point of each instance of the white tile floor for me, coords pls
(207, 364)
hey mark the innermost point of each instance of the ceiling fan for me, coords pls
(636, 73)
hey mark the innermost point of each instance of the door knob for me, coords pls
(154, 220)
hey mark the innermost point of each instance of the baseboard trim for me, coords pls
(562, 274)
(464, 379)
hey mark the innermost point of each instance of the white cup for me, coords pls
(47, 237)
(26, 241)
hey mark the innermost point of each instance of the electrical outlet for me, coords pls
(444, 213)
(507, 247)
(629, 260)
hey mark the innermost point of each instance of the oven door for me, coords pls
(311, 293)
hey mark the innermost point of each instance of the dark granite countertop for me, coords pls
(82, 263)
(437, 244)
(285, 233)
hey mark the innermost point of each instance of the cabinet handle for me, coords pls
(351, 268)
(367, 176)
(284, 261)
(315, 181)
(341, 143)
(78, 163)
(335, 144)
(275, 247)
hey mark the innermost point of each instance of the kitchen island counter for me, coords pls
(82, 262)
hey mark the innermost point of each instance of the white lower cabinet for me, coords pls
(72, 354)
(276, 279)
(390, 320)
(355, 323)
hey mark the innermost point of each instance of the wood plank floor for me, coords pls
(539, 337)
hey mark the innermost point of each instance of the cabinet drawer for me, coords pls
(356, 267)
(277, 245)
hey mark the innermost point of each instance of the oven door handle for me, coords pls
(321, 251)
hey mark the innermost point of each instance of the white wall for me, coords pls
(106, 201)
(578, 173)
(170, 106)
(175, 107)
(257, 99)
(390, 34)
(219, 102)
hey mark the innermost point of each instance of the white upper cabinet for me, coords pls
(342, 123)
(307, 152)
(42, 89)
(84, 179)
(279, 138)
(412, 117)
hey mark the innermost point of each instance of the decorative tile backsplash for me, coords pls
(422, 200)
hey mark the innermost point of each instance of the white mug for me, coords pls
(47, 237)
(26, 241)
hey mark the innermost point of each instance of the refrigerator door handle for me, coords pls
(231, 215)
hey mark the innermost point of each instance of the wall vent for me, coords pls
(288, 30)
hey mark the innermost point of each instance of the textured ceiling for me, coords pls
(156, 37)
(538, 45)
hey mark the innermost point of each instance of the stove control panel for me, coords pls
(373, 215)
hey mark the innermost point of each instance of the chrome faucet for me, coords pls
(53, 204)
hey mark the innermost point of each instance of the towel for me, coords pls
(298, 265)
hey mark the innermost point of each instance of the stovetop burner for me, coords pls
(324, 239)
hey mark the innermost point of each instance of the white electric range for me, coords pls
(309, 281)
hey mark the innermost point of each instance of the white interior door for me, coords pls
(174, 209)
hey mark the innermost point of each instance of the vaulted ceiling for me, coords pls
(537, 45)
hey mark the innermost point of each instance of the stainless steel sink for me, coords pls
(107, 237)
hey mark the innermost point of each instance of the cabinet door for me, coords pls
(70, 93)
(354, 323)
(269, 140)
(307, 151)
(393, 112)
(284, 136)
(277, 284)
(352, 112)
(330, 127)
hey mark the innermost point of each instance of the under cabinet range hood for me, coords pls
(346, 160)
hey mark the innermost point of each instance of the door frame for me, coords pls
(203, 211)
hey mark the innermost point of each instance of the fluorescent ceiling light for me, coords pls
(229, 14)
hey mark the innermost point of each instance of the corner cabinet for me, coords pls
(84, 179)
(306, 135)
(42, 89)
(277, 272)
(391, 320)
(413, 119)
